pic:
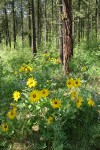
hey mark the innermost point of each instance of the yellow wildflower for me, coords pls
(74, 95)
(21, 69)
(44, 93)
(31, 82)
(50, 120)
(77, 82)
(70, 83)
(13, 106)
(16, 95)
(79, 101)
(34, 96)
(26, 69)
(30, 68)
(56, 103)
(91, 102)
(4, 127)
(11, 114)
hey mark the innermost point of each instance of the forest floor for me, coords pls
(48, 72)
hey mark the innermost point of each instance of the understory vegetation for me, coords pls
(40, 109)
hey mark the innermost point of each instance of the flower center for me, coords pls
(55, 102)
(44, 92)
(12, 113)
(5, 126)
(34, 95)
(69, 83)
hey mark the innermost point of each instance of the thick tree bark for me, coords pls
(33, 30)
(67, 34)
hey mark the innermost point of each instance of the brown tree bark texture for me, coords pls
(67, 34)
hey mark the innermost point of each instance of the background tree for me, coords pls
(67, 34)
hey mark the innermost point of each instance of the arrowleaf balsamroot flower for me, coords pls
(21, 69)
(91, 102)
(79, 101)
(31, 82)
(50, 120)
(44, 93)
(29, 68)
(4, 127)
(16, 95)
(34, 96)
(70, 83)
(56, 103)
(13, 106)
(74, 95)
(11, 114)
(77, 82)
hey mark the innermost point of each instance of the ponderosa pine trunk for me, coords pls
(67, 34)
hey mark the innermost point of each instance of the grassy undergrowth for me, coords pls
(63, 117)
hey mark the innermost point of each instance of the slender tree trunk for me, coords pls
(45, 23)
(6, 26)
(88, 24)
(52, 20)
(29, 24)
(22, 29)
(8, 39)
(14, 23)
(38, 23)
(67, 34)
(0, 38)
(61, 30)
(97, 16)
(33, 30)
(79, 23)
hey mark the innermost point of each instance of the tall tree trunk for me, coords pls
(61, 30)
(38, 23)
(29, 24)
(97, 16)
(79, 23)
(67, 34)
(33, 30)
(14, 23)
(0, 38)
(22, 29)
(45, 23)
(8, 39)
(88, 24)
(6, 26)
(52, 2)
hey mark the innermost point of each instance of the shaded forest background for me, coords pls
(39, 22)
